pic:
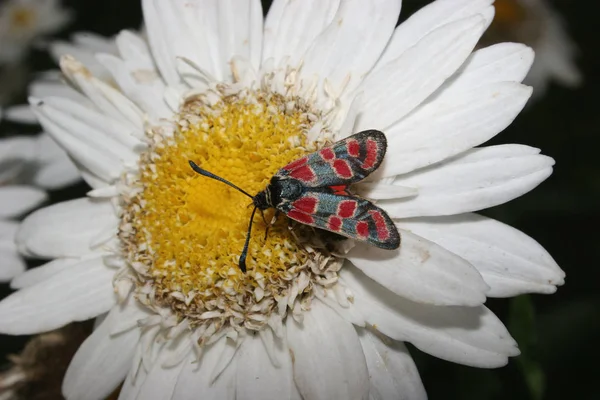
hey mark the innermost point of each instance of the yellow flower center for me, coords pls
(183, 232)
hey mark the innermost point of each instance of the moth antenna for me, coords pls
(204, 172)
(245, 250)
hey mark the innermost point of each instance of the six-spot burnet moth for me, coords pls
(313, 190)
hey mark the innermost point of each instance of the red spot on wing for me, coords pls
(362, 229)
(339, 190)
(371, 158)
(346, 208)
(334, 223)
(327, 154)
(303, 173)
(306, 204)
(353, 148)
(295, 164)
(342, 169)
(383, 233)
(301, 217)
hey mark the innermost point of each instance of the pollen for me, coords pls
(184, 233)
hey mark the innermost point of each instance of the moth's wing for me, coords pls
(345, 162)
(348, 216)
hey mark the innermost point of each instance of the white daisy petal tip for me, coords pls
(15, 200)
(392, 371)
(467, 335)
(422, 271)
(511, 262)
(21, 114)
(474, 180)
(48, 305)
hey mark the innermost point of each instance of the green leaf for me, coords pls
(521, 324)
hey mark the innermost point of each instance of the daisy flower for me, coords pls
(153, 251)
(23, 21)
(537, 24)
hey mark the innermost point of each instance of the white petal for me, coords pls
(15, 153)
(92, 179)
(162, 42)
(466, 335)
(106, 98)
(80, 292)
(102, 361)
(57, 175)
(39, 274)
(445, 127)
(134, 381)
(292, 26)
(474, 180)
(66, 229)
(430, 17)
(11, 263)
(346, 311)
(8, 230)
(350, 45)
(88, 124)
(240, 29)
(511, 262)
(194, 380)
(327, 356)
(46, 149)
(207, 33)
(395, 89)
(382, 191)
(347, 127)
(93, 42)
(102, 162)
(421, 271)
(183, 29)
(17, 199)
(136, 75)
(392, 370)
(14, 149)
(21, 114)
(160, 382)
(85, 56)
(257, 377)
(503, 62)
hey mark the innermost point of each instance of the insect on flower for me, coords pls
(313, 190)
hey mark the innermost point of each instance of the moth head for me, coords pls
(262, 200)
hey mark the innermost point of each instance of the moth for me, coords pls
(314, 190)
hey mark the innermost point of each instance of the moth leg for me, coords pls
(273, 220)
(275, 216)
(263, 217)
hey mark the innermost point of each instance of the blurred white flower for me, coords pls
(23, 21)
(15, 199)
(28, 166)
(536, 24)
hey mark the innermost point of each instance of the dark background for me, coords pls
(557, 332)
